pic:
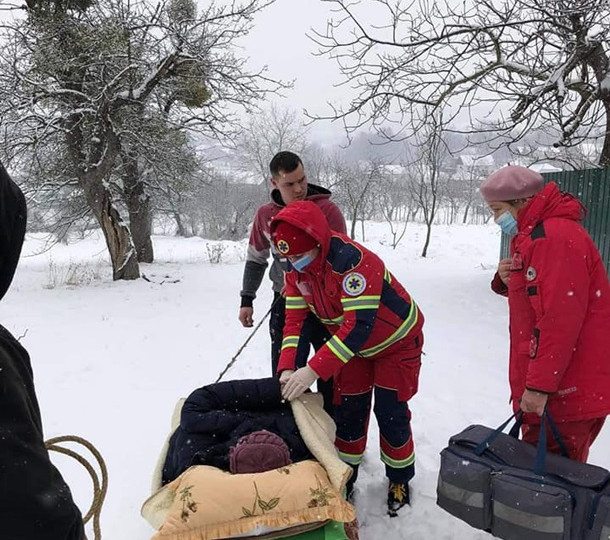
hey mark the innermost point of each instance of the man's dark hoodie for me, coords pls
(35, 502)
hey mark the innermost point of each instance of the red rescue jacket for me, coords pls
(351, 291)
(559, 302)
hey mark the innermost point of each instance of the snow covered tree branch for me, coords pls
(513, 64)
(105, 84)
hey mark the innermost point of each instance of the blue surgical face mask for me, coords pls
(507, 223)
(300, 264)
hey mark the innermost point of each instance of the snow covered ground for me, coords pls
(111, 359)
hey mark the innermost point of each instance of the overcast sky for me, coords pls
(279, 41)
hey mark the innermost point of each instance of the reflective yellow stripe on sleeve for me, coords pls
(290, 341)
(360, 302)
(336, 321)
(402, 331)
(296, 302)
(339, 349)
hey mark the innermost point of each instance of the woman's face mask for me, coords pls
(300, 264)
(507, 223)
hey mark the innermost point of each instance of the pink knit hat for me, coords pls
(258, 452)
(511, 183)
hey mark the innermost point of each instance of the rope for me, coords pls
(99, 488)
(232, 361)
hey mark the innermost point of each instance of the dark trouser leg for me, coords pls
(396, 442)
(349, 487)
(326, 389)
(352, 411)
(396, 381)
(352, 419)
(276, 329)
(315, 332)
(304, 345)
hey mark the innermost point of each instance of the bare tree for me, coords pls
(87, 81)
(426, 177)
(174, 177)
(544, 60)
(353, 185)
(465, 184)
(268, 132)
(392, 199)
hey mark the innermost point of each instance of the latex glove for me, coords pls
(533, 402)
(298, 382)
(285, 375)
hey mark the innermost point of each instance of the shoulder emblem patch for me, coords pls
(354, 284)
(530, 273)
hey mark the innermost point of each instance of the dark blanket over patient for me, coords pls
(214, 417)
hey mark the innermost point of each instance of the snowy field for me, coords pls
(111, 359)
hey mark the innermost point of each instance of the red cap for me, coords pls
(290, 240)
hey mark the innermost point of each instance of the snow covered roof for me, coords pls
(544, 168)
(474, 160)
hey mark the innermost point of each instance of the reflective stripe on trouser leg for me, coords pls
(352, 418)
(396, 441)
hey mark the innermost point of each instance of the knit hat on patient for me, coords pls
(259, 451)
(511, 183)
(290, 240)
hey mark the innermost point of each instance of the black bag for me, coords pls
(518, 491)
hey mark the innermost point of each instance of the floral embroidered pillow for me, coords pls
(207, 503)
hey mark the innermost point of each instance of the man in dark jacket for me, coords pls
(35, 502)
(290, 184)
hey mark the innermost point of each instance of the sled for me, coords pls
(301, 501)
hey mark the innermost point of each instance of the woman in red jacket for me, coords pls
(375, 344)
(559, 309)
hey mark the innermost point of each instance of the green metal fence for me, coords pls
(592, 187)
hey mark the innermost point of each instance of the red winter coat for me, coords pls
(351, 291)
(559, 302)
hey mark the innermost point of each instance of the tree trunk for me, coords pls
(122, 252)
(118, 238)
(465, 218)
(138, 206)
(427, 242)
(604, 158)
(91, 179)
(181, 230)
(352, 233)
(429, 221)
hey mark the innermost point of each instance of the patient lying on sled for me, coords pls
(240, 426)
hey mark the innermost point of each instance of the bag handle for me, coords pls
(541, 451)
(514, 431)
(562, 445)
